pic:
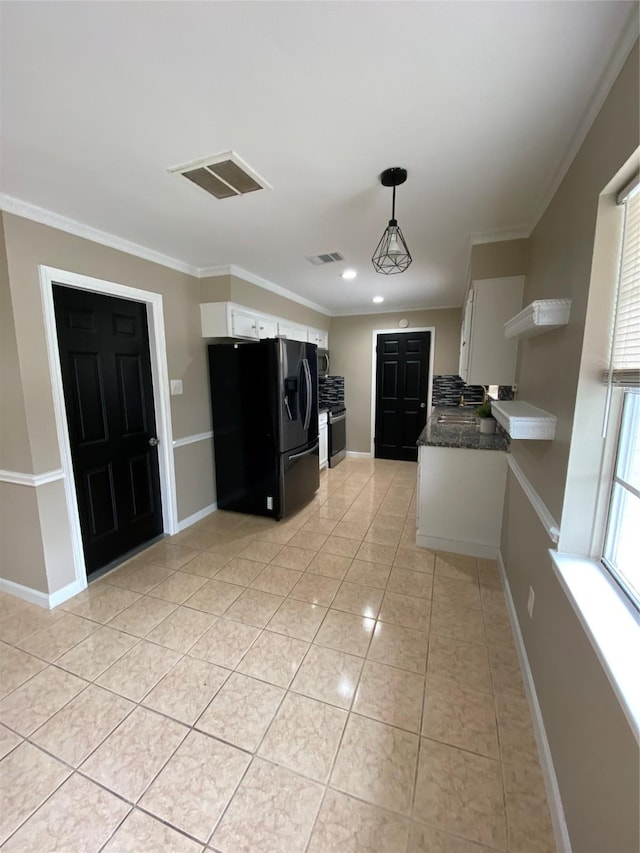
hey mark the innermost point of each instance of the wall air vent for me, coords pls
(222, 175)
(326, 258)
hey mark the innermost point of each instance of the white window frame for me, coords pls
(610, 621)
(615, 513)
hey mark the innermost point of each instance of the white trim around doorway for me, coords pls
(374, 363)
(160, 377)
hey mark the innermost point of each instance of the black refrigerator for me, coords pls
(264, 401)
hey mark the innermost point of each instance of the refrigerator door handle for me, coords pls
(305, 452)
(307, 375)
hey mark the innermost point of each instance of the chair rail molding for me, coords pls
(18, 478)
(548, 521)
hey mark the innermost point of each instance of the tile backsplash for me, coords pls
(447, 390)
(330, 390)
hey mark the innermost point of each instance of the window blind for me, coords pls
(625, 350)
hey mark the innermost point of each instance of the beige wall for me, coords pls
(496, 260)
(15, 454)
(230, 288)
(29, 244)
(215, 288)
(594, 751)
(22, 558)
(351, 347)
(193, 490)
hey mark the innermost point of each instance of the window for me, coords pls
(621, 553)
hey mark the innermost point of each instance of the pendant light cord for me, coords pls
(393, 204)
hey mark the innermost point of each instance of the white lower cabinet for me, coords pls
(323, 429)
(460, 500)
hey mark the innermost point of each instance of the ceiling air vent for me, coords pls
(222, 175)
(327, 258)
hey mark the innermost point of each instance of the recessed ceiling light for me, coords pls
(378, 299)
(348, 274)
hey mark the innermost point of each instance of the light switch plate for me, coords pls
(176, 387)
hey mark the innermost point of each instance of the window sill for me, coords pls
(612, 625)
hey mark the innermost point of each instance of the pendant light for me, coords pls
(392, 253)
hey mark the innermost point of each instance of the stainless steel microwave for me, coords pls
(323, 362)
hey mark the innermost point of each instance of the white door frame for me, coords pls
(374, 364)
(160, 378)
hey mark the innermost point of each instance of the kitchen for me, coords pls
(41, 550)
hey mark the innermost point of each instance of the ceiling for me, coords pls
(483, 103)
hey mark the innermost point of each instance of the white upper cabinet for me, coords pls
(244, 325)
(319, 337)
(228, 320)
(486, 357)
(291, 331)
(267, 326)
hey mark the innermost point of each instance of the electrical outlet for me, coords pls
(530, 602)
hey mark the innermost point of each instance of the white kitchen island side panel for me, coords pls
(460, 500)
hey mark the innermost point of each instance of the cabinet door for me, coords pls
(492, 358)
(465, 337)
(324, 444)
(244, 325)
(267, 327)
(291, 331)
(319, 337)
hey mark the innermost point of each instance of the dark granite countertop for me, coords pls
(455, 435)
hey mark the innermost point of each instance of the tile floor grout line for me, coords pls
(404, 523)
(3, 841)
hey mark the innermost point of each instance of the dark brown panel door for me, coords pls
(402, 376)
(108, 391)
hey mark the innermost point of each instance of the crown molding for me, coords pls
(520, 233)
(252, 278)
(610, 74)
(71, 226)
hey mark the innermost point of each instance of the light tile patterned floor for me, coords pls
(318, 684)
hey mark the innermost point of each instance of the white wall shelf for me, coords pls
(543, 315)
(524, 421)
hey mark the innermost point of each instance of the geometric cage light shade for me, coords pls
(392, 254)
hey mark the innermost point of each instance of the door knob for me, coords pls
(154, 442)
(423, 405)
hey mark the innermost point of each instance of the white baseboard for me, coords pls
(197, 516)
(455, 546)
(34, 596)
(556, 809)
(356, 454)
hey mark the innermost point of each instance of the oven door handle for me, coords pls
(305, 452)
